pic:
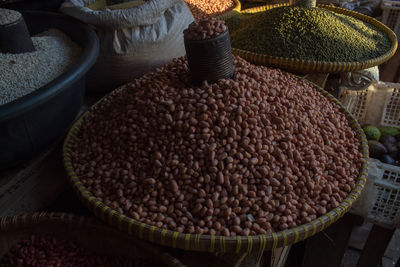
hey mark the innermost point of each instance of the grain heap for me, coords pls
(21, 74)
(308, 33)
(261, 152)
(205, 29)
(48, 251)
(8, 16)
(202, 9)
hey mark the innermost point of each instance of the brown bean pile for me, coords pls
(205, 29)
(41, 251)
(261, 152)
(203, 9)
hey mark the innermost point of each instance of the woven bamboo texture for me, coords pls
(212, 243)
(236, 10)
(87, 232)
(238, 6)
(311, 66)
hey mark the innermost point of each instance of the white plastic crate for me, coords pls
(391, 110)
(377, 105)
(391, 15)
(379, 202)
(356, 102)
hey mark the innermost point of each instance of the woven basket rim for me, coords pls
(309, 66)
(238, 6)
(198, 242)
(236, 9)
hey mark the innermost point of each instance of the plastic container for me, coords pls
(40, 5)
(32, 122)
(391, 15)
(377, 105)
(210, 59)
(380, 201)
(357, 102)
(391, 109)
(14, 38)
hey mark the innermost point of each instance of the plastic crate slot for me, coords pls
(391, 176)
(392, 18)
(356, 103)
(386, 206)
(391, 112)
(391, 15)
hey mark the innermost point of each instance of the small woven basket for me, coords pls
(84, 231)
(212, 243)
(311, 66)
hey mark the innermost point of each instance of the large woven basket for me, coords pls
(84, 231)
(311, 66)
(212, 243)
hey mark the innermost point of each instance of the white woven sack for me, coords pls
(132, 41)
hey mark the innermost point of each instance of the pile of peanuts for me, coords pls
(47, 251)
(262, 152)
(202, 9)
(205, 29)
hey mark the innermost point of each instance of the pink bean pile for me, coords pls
(205, 29)
(43, 251)
(262, 152)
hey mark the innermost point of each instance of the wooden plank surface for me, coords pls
(378, 240)
(35, 187)
(327, 248)
(37, 184)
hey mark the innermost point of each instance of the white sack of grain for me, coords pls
(133, 41)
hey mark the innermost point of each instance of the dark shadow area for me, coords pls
(42, 5)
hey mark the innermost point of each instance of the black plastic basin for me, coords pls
(29, 124)
(40, 5)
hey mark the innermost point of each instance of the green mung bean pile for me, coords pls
(307, 33)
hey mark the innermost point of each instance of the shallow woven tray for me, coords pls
(213, 243)
(87, 232)
(311, 66)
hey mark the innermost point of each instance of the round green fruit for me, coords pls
(372, 132)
